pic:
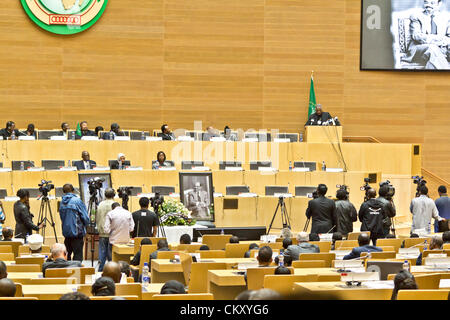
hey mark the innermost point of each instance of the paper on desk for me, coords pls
(389, 284)
(444, 284)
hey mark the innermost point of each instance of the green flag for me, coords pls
(78, 132)
(312, 98)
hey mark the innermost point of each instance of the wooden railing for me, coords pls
(360, 139)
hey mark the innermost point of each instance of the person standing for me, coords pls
(74, 220)
(443, 206)
(322, 211)
(118, 224)
(371, 215)
(2, 217)
(345, 213)
(103, 241)
(23, 216)
(389, 208)
(423, 209)
(146, 222)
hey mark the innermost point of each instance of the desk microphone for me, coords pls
(303, 162)
(331, 229)
(312, 121)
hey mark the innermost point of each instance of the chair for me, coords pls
(426, 253)
(163, 190)
(189, 296)
(293, 137)
(225, 164)
(355, 235)
(198, 281)
(255, 276)
(111, 297)
(428, 281)
(46, 134)
(409, 242)
(446, 246)
(256, 165)
(14, 244)
(309, 264)
(186, 262)
(3, 192)
(423, 294)
(339, 244)
(137, 135)
(324, 246)
(6, 249)
(272, 245)
(167, 254)
(129, 289)
(137, 242)
(387, 248)
(383, 255)
(216, 241)
(328, 277)
(7, 256)
(187, 165)
(396, 243)
(79, 273)
(211, 254)
(190, 248)
(23, 268)
(52, 164)
(25, 249)
(272, 190)
(146, 251)
(30, 260)
(327, 257)
(236, 190)
(19, 291)
(50, 281)
(236, 250)
(283, 283)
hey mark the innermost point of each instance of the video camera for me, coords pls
(391, 190)
(95, 184)
(157, 201)
(45, 187)
(366, 188)
(420, 182)
(124, 192)
(345, 188)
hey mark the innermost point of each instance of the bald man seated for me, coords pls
(58, 259)
(7, 288)
(363, 241)
(112, 270)
(3, 272)
(320, 117)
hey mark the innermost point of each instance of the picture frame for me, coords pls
(83, 179)
(197, 194)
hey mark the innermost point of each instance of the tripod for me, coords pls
(285, 221)
(45, 210)
(305, 229)
(92, 230)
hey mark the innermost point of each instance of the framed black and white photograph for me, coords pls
(197, 195)
(405, 35)
(93, 184)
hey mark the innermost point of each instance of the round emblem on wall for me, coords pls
(64, 16)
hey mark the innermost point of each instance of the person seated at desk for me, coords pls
(251, 247)
(302, 247)
(10, 130)
(30, 131)
(446, 237)
(162, 245)
(185, 239)
(161, 161)
(7, 288)
(228, 135)
(35, 242)
(119, 164)
(363, 241)
(113, 271)
(3, 270)
(210, 133)
(86, 163)
(319, 117)
(103, 286)
(64, 130)
(435, 244)
(403, 281)
(97, 130)
(115, 131)
(58, 259)
(234, 239)
(264, 256)
(173, 287)
(8, 234)
(137, 257)
(85, 132)
(166, 133)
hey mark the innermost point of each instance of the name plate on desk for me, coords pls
(167, 168)
(133, 168)
(218, 139)
(250, 140)
(68, 169)
(409, 251)
(36, 169)
(101, 168)
(233, 169)
(122, 138)
(200, 169)
(306, 169)
(360, 276)
(11, 199)
(153, 139)
(27, 138)
(90, 138)
(269, 238)
(326, 236)
(5, 169)
(334, 170)
(267, 169)
(58, 138)
(246, 265)
(282, 195)
(247, 195)
(185, 138)
(438, 262)
(281, 140)
(345, 264)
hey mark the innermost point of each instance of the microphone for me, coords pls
(332, 121)
(331, 229)
(311, 121)
(303, 162)
(319, 122)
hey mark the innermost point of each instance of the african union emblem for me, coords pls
(64, 16)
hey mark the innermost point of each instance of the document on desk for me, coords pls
(389, 284)
(444, 284)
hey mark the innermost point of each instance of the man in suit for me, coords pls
(198, 202)
(115, 131)
(363, 242)
(303, 247)
(322, 211)
(8, 131)
(319, 117)
(430, 36)
(85, 131)
(166, 133)
(86, 163)
(64, 130)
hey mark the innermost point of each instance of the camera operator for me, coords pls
(74, 220)
(423, 209)
(103, 241)
(345, 213)
(322, 211)
(388, 206)
(146, 222)
(23, 216)
(443, 206)
(371, 215)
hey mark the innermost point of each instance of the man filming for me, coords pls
(423, 209)
(322, 211)
(345, 213)
(388, 206)
(371, 215)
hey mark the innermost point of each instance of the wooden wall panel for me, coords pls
(242, 63)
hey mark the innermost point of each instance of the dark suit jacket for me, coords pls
(24, 221)
(356, 252)
(313, 119)
(322, 211)
(115, 164)
(6, 134)
(80, 164)
(165, 136)
(60, 263)
(89, 133)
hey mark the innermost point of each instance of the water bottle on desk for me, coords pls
(22, 166)
(425, 245)
(406, 265)
(145, 277)
(72, 135)
(281, 260)
(143, 135)
(324, 167)
(221, 232)
(301, 136)
(111, 136)
(290, 165)
(69, 164)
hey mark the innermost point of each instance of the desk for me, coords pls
(151, 290)
(427, 269)
(122, 252)
(383, 291)
(24, 275)
(51, 292)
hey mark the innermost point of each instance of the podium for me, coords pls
(324, 134)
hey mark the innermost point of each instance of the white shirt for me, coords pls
(86, 165)
(423, 209)
(118, 224)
